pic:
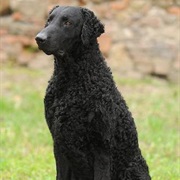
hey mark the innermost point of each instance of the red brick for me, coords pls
(10, 39)
(103, 10)
(105, 42)
(119, 5)
(25, 41)
(4, 7)
(3, 32)
(176, 63)
(17, 16)
(174, 10)
(82, 2)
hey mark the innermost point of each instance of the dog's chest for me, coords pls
(65, 102)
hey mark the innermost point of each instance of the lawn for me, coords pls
(26, 147)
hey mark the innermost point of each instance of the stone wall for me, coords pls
(142, 36)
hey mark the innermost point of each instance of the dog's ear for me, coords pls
(92, 27)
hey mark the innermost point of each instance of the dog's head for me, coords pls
(68, 27)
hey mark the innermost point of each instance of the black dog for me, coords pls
(93, 132)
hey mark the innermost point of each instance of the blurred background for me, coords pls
(141, 45)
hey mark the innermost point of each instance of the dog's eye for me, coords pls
(67, 23)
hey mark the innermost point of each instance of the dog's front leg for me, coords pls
(73, 160)
(62, 167)
(102, 167)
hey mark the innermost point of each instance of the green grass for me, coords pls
(26, 146)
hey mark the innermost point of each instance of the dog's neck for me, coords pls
(81, 56)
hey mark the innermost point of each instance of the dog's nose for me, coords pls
(41, 38)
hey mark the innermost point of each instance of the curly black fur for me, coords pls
(93, 131)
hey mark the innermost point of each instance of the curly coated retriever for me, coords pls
(93, 131)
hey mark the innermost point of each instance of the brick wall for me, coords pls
(142, 36)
